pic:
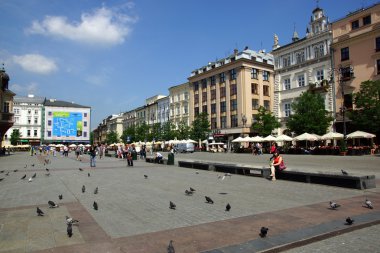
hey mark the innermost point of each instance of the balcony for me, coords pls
(322, 86)
(6, 117)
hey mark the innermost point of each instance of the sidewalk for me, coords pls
(134, 214)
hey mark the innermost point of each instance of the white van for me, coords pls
(184, 147)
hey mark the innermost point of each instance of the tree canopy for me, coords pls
(309, 115)
(366, 115)
(112, 137)
(15, 136)
(200, 127)
(264, 122)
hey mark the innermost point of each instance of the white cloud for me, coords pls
(35, 63)
(103, 26)
(31, 88)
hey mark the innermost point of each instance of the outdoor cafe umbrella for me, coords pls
(269, 138)
(192, 141)
(238, 139)
(332, 136)
(360, 134)
(306, 137)
(283, 137)
(257, 139)
(247, 139)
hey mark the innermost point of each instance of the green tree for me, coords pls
(183, 131)
(92, 138)
(168, 131)
(15, 136)
(155, 132)
(142, 132)
(112, 137)
(131, 132)
(265, 122)
(200, 127)
(366, 115)
(309, 115)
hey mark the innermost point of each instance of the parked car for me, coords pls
(184, 147)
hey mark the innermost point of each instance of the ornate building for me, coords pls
(304, 64)
(6, 103)
(179, 103)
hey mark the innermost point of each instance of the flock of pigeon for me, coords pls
(349, 221)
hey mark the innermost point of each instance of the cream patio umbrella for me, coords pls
(332, 136)
(257, 139)
(238, 139)
(269, 138)
(283, 137)
(306, 137)
(360, 134)
(190, 140)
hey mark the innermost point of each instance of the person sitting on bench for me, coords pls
(158, 157)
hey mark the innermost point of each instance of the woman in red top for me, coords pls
(275, 165)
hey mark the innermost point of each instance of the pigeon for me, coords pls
(95, 205)
(334, 205)
(349, 221)
(47, 169)
(26, 166)
(83, 189)
(172, 205)
(34, 175)
(39, 212)
(52, 204)
(70, 220)
(33, 165)
(191, 189)
(171, 247)
(7, 174)
(15, 170)
(368, 204)
(344, 172)
(228, 207)
(146, 176)
(228, 174)
(1, 179)
(24, 177)
(70, 230)
(223, 177)
(219, 177)
(263, 231)
(80, 169)
(209, 200)
(189, 193)
(2, 171)
(30, 179)
(197, 172)
(88, 174)
(60, 196)
(47, 174)
(96, 190)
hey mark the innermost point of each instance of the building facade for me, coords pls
(163, 110)
(179, 103)
(28, 118)
(303, 65)
(65, 122)
(356, 57)
(6, 105)
(231, 90)
(115, 124)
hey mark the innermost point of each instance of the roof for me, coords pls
(60, 103)
(290, 44)
(29, 100)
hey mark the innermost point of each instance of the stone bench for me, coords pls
(226, 168)
(151, 160)
(347, 181)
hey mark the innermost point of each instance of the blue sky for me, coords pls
(112, 55)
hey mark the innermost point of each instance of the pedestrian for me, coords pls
(273, 149)
(277, 165)
(92, 156)
(158, 157)
(129, 158)
(77, 152)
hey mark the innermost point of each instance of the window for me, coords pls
(196, 86)
(29, 120)
(301, 80)
(213, 123)
(255, 104)
(36, 112)
(204, 108)
(377, 44)
(84, 123)
(16, 111)
(300, 57)
(35, 133)
(196, 98)
(344, 54)
(204, 96)
(49, 113)
(254, 73)
(265, 75)
(222, 77)
(233, 105)
(348, 101)
(286, 61)
(29, 111)
(355, 24)
(186, 109)
(196, 111)
(222, 92)
(234, 121)
(213, 108)
(49, 133)
(186, 95)
(287, 109)
(232, 74)
(35, 120)
(212, 80)
(367, 20)
(321, 50)
(254, 88)
(85, 134)
(346, 73)
(178, 97)
(265, 90)
(223, 122)
(177, 111)
(85, 114)
(6, 107)
(213, 94)
(233, 89)
(378, 66)
(204, 83)
(223, 106)
(17, 119)
(49, 122)
(267, 105)
(320, 76)
(287, 84)
(28, 133)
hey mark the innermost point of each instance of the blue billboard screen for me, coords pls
(67, 124)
